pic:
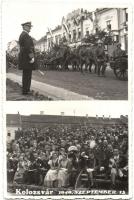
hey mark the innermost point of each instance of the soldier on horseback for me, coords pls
(100, 58)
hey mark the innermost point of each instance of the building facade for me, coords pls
(80, 23)
(40, 45)
(115, 22)
(54, 36)
(123, 27)
(77, 25)
(42, 120)
(13, 123)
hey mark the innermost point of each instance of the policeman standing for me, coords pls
(27, 61)
(100, 58)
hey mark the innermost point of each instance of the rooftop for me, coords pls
(13, 120)
(16, 119)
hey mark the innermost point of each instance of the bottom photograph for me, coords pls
(66, 151)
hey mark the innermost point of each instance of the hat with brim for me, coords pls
(27, 24)
(72, 148)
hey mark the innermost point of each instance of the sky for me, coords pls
(70, 108)
(42, 14)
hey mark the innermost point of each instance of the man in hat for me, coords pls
(27, 61)
(118, 52)
(100, 58)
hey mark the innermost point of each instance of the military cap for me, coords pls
(27, 24)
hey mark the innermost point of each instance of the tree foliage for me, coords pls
(99, 35)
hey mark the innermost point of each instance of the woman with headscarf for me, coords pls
(52, 174)
(19, 174)
(63, 171)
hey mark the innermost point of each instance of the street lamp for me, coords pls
(62, 115)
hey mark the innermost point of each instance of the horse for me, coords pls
(87, 57)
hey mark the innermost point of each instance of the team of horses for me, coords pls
(81, 58)
(63, 57)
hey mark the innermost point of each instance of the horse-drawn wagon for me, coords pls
(120, 67)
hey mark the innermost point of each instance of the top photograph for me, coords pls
(72, 52)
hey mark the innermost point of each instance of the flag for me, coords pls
(93, 16)
(65, 25)
(20, 120)
(76, 21)
(49, 30)
(66, 28)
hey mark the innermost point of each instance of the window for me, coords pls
(64, 37)
(108, 23)
(70, 37)
(79, 33)
(59, 38)
(56, 39)
(74, 34)
(117, 38)
(126, 15)
(49, 42)
(87, 32)
(52, 40)
(8, 134)
(96, 30)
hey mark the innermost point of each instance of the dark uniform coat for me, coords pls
(100, 58)
(25, 56)
(100, 53)
(26, 52)
(117, 53)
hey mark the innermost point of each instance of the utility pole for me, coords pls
(20, 120)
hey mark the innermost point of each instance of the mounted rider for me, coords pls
(100, 58)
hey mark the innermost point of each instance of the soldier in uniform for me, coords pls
(27, 61)
(100, 58)
(118, 52)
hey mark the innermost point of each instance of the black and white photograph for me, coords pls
(57, 50)
(66, 150)
(66, 99)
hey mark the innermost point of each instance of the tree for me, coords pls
(93, 38)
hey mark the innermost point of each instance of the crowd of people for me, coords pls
(54, 155)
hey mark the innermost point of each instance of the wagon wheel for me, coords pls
(121, 74)
(41, 64)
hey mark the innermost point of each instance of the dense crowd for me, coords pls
(54, 155)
